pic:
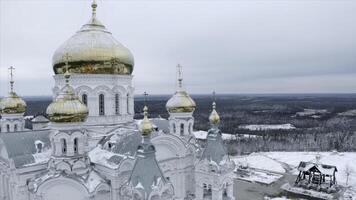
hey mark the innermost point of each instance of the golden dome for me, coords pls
(13, 104)
(93, 50)
(214, 117)
(67, 107)
(180, 102)
(146, 126)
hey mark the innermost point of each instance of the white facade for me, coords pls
(181, 124)
(117, 105)
(12, 123)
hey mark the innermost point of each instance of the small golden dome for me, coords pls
(67, 107)
(214, 117)
(93, 50)
(13, 104)
(146, 126)
(180, 102)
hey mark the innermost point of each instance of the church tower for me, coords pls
(214, 170)
(146, 180)
(68, 139)
(12, 110)
(180, 108)
(101, 69)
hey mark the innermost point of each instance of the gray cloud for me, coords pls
(228, 46)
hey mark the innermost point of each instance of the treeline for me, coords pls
(328, 132)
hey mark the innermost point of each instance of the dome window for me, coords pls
(128, 103)
(85, 99)
(64, 146)
(101, 105)
(75, 147)
(117, 105)
(181, 129)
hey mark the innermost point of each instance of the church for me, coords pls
(90, 147)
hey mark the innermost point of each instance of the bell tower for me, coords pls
(181, 108)
(12, 109)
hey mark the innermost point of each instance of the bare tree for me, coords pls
(348, 172)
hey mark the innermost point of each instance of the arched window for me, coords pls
(7, 127)
(15, 127)
(128, 103)
(101, 105)
(181, 129)
(190, 128)
(207, 192)
(64, 146)
(174, 128)
(75, 145)
(117, 104)
(225, 190)
(85, 99)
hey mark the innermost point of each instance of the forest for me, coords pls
(323, 122)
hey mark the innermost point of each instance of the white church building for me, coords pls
(92, 148)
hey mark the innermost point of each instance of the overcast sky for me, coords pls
(229, 46)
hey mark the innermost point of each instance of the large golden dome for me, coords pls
(12, 104)
(67, 107)
(93, 50)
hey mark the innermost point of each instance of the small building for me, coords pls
(317, 176)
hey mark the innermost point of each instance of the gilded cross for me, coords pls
(66, 58)
(179, 74)
(11, 68)
(145, 97)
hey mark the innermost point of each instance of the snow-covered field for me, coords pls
(349, 113)
(262, 127)
(315, 113)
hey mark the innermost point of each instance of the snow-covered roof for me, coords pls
(202, 135)
(324, 169)
(39, 119)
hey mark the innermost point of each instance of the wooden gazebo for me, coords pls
(316, 176)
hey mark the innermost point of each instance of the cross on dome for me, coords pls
(11, 68)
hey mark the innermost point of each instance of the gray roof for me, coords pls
(162, 124)
(124, 144)
(215, 149)
(146, 170)
(21, 145)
